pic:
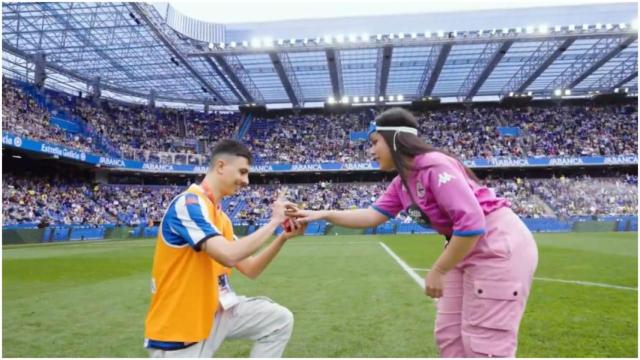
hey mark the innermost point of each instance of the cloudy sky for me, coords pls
(240, 11)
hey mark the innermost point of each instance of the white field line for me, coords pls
(574, 282)
(404, 266)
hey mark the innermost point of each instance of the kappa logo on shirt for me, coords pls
(444, 178)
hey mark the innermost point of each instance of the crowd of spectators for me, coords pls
(68, 201)
(164, 135)
(303, 139)
(25, 118)
(56, 199)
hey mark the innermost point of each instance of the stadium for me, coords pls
(111, 110)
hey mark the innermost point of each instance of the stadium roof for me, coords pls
(135, 53)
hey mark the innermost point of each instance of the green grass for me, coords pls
(350, 299)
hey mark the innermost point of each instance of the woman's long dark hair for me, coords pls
(408, 146)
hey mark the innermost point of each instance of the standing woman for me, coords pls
(483, 276)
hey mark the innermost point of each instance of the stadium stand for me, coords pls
(170, 136)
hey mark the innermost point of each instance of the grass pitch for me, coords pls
(349, 297)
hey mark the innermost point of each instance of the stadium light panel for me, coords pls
(364, 37)
(345, 99)
(340, 38)
(414, 35)
(427, 34)
(530, 29)
(634, 24)
(381, 98)
(572, 27)
(245, 43)
(379, 36)
(356, 99)
(210, 46)
(585, 26)
(616, 90)
(557, 28)
(353, 38)
(598, 26)
(331, 100)
(505, 30)
(328, 39)
(221, 45)
(608, 26)
(543, 29)
(557, 92)
(440, 33)
(530, 93)
(400, 98)
(256, 43)
(567, 92)
(391, 98)
(511, 93)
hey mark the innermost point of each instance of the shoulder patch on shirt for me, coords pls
(444, 178)
(191, 199)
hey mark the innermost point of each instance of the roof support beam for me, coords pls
(235, 80)
(435, 74)
(491, 56)
(591, 60)
(287, 79)
(536, 64)
(6, 46)
(428, 69)
(615, 51)
(384, 63)
(632, 76)
(622, 73)
(20, 53)
(221, 76)
(333, 62)
(161, 36)
(85, 40)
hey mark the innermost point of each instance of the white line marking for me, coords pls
(587, 283)
(574, 282)
(404, 266)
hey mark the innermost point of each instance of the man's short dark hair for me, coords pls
(230, 147)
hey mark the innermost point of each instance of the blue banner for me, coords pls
(139, 166)
(65, 124)
(508, 131)
(358, 136)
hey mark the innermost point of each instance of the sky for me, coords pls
(245, 11)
